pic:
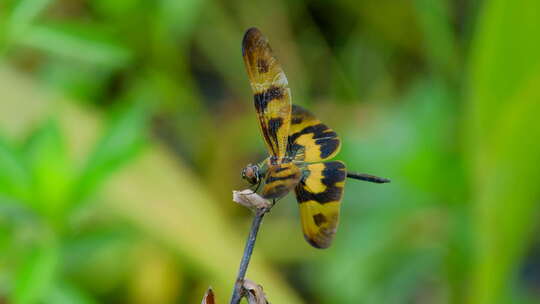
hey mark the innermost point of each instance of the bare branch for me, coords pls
(260, 207)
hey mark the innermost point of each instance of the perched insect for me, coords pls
(298, 144)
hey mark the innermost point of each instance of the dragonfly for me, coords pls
(299, 145)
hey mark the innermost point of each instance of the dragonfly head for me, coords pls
(251, 174)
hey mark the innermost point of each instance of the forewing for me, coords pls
(280, 179)
(319, 197)
(309, 139)
(272, 96)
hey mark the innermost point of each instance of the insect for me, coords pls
(299, 146)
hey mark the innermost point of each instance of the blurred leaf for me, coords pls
(122, 140)
(88, 84)
(36, 275)
(411, 143)
(84, 250)
(504, 146)
(14, 178)
(505, 29)
(76, 42)
(219, 31)
(436, 24)
(384, 257)
(390, 26)
(16, 215)
(63, 293)
(106, 253)
(180, 16)
(118, 8)
(508, 196)
(48, 162)
(24, 13)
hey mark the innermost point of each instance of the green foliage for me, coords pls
(36, 274)
(502, 118)
(120, 143)
(64, 293)
(439, 96)
(47, 162)
(40, 190)
(14, 178)
(67, 40)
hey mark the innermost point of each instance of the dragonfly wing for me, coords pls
(319, 197)
(272, 96)
(309, 139)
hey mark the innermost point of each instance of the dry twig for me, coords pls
(260, 207)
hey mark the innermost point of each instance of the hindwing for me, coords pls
(309, 139)
(319, 196)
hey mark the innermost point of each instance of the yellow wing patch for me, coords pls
(272, 96)
(280, 179)
(319, 197)
(309, 139)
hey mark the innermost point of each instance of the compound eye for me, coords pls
(248, 174)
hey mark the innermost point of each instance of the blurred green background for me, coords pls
(124, 126)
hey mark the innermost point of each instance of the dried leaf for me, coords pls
(254, 293)
(209, 297)
(251, 200)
